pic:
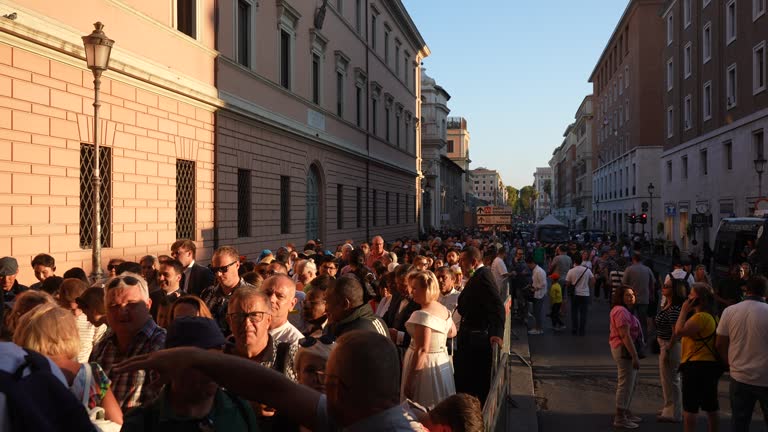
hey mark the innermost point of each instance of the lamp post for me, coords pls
(760, 169)
(97, 50)
(597, 212)
(651, 188)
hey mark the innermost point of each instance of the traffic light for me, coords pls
(644, 218)
(633, 219)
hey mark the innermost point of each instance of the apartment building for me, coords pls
(318, 137)
(488, 187)
(716, 114)
(459, 140)
(158, 104)
(542, 182)
(629, 117)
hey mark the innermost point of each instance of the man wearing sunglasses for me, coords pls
(224, 264)
(196, 278)
(132, 332)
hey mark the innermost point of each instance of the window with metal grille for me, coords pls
(359, 203)
(285, 204)
(88, 198)
(386, 208)
(397, 208)
(185, 199)
(244, 32)
(407, 207)
(373, 209)
(243, 203)
(413, 215)
(339, 206)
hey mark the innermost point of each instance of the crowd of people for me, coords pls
(365, 338)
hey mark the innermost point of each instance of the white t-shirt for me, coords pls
(286, 333)
(582, 287)
(498, 269)
(746, 325)
(539, 282)
(450, 301)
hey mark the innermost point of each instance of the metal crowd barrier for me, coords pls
(494, 411)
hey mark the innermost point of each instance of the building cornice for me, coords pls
(401, 16)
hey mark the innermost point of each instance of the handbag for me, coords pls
(97, 414)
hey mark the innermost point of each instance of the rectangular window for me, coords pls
(684, 162)
(339, 94)
(728, 149)
(687, 53)
(373, 32)
(758, 9)
(397, 59)
(670, 74)
(316, 78)
(758, 68)
(359, 16)
(669, 171)
(406, 62)
(670, 122)
(397, 130)
(88, 198)
(374, 209)
(407, 209)
(386, 45)
(450, 146)
(243, 203)
(386, 208)
(707, 102)
(704, 162)
(359, 209)
(244, 33)
(387, 125)
(185, 199)
(397, 208)
(687, 113)
(758, 142)
(705, 3)
(730, 21)
(285, 205)
(375, 115)
(731, 86)
(186, 17)
(359, 106)
(339, 206)
(285, 59)
(706, 43)
(687, 13)
(340, 6)
(670, 29)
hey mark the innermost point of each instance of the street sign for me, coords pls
(494, 220)
(491, 210)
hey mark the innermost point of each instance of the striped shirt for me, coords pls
(665, 322)
(616, 276)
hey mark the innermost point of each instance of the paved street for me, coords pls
(575, 382)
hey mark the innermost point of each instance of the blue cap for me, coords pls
(329, 253)
(264, 253)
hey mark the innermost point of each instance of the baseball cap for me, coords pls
(264, 254)
(8, 266)
(197, 332)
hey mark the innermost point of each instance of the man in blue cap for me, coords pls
(192, 401)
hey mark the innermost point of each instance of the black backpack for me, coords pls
(39, 401)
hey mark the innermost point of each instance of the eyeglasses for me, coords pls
(311, 341)
(330, 267)
(117, 280)
(238, 318)
(223, 269)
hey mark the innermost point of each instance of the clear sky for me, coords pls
(517, 71)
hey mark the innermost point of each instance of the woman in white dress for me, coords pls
(427, 371)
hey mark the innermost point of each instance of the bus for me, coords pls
(732, 245)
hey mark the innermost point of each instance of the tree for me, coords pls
(528, 195)
(547, 188)
(512, 196)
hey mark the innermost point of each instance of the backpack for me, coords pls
(684, 280)
(39, 402)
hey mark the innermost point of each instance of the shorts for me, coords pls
(700, 380)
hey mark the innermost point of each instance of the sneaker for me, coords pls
(634, 419)
(535, 332)
(623, 422)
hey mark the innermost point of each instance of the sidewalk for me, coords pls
(522, 414)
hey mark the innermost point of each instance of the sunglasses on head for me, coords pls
(311, 341)
(223, 269)
(115, 282)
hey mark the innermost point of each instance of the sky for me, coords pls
(517, 71)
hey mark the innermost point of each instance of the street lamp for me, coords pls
(651, 188)
(760, 169)
(97, 50)
(597, 212)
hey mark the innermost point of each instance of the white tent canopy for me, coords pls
(550, 220)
